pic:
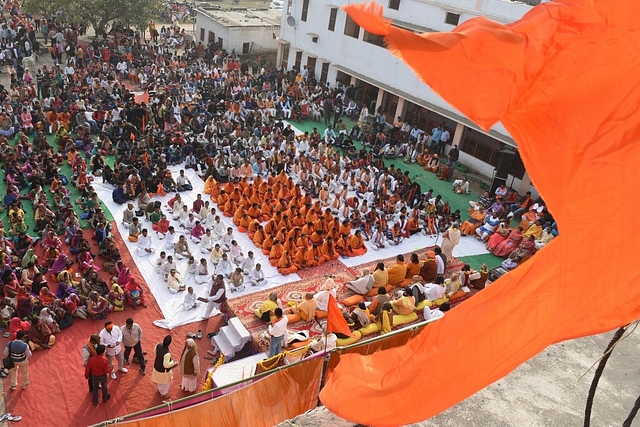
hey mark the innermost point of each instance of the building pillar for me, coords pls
(457, 136)
(279, 55)
(525, 182)
(353, 80)
(399, 108)
(378, 100)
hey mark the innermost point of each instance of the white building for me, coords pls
(246, 31)
(321, 36)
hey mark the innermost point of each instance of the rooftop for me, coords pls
(241, 17)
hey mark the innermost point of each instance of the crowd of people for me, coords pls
(303, 199)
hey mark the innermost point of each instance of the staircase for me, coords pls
(231, 338)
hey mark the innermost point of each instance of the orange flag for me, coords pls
(335, 320)
(564, 82)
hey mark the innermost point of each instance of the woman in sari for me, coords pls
(525, 249)
(29, 256)
(85, 261)
(10, 284)
(40, 336)
(26, 307)
(134, 294)
(47, 319)
(46, 297)
(17, 325)
(124, 276)
(501, 234)
(116, 297)
(97, 306)
(61, 263)
(510, 244)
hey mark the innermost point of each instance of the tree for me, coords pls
(99, 13)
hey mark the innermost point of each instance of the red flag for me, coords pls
(335, 320)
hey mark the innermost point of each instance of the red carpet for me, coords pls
(58, 390)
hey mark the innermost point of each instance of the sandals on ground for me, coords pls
(9, 417)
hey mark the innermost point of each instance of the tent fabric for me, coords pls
(563, 80)
(267, 402)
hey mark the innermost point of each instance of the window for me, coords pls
(394, 4)
(481, 146)
(314, 39)
(298, 60)
(351, 28)
(305, 10)
(325, 72)
(285, 56)
(452, 18)
(311, 67)
(332, 18)
(220, 42)
(245, 48)
(367, 94)
(389, 106)
(374, 39)
(211, 38)
(416, 115)
(201, 34)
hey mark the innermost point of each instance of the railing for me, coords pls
(331, 359)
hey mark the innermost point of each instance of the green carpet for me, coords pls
(475, 261)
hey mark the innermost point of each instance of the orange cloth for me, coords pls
(532, 76)
(335, 320)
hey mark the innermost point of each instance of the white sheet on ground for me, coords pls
(171, 304)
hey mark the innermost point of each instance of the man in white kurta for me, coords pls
(256, 276)
(145, 244)
(162, 366)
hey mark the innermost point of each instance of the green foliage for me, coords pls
(99, 13)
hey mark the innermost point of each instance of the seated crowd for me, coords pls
(384, 298)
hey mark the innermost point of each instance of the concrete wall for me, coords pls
(235, 37)
(376, 62)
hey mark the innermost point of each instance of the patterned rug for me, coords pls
(243, 307)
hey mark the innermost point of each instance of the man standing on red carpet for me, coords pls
(97, 369)
(111, 338)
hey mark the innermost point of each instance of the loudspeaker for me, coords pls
(505, 162)
(497, 182)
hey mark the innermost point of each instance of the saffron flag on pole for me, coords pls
(335, 321)
(564, 82)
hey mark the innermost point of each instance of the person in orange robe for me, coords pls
(275, 253)
(531, 75)
(258, 237)
(270, 227)
(328, 249)
(300, 259)
(267, 244)
(252, 228)
(314, 257)
(243, 226)
(209, 184)
(285, 264)
(254, 211)
(356, 245)
(476, 218)
(345, 228)
(238, 214)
